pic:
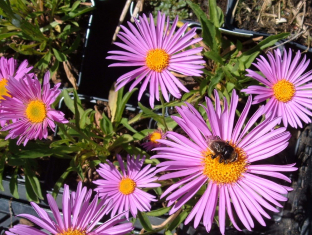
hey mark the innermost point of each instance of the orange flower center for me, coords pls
(221, 173)
(72, 232)
(154, 137)
(127, 186)
(3, 89)
(284, 90)
(36, 111)
(157, 60)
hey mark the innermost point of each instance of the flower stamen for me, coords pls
(127, 186)
(157, 60)
(154, 137)
(284, 90)
(3, 89)
(36, 111)
(73, 232)
(221, 173)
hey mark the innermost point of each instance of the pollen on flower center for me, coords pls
(3, 89)
(157, 59)
(154, 137)
(72, 232)
(284, 90)
(221, 173)
(127, 186)
(36, 111)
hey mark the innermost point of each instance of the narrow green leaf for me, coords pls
(142, 134)
(121, 106)
(74, 46)
(151, 114)
(178, 220)
(158, 212)
(54, 67)
(124, 122)
(146, 224)
(33, 180)
(44, 61)
(84, 117)
(125, 138)
(213, 13)
(215, 80)
(13, 184)
(214, 56)
(30, 194)
(61, 180)
(6, 35)
(59, 55)
(106, 125)
(75, 5)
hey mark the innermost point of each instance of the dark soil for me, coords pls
(273, 17)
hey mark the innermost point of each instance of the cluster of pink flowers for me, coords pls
(223, 157)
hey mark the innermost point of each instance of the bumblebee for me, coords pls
(222, 149)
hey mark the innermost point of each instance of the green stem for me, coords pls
(163, 111)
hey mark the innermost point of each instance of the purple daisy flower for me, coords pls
(9, 68)
(152, 140)
(224, 158)
(155, 49)
(285, 87)
(80, 217)
(123, 188)
(32, 106)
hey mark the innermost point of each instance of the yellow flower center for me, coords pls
(157, 60)
(221, 173)
(36, 111)
(3, 90)
(72, 232)
(284, 90)
(154, 137)
(127, 186)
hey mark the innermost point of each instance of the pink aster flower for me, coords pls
(123, 188)
(224, 158)
(80, 217)
(286, 87)
(9, 68)
(31, 105)
(156, 51)
(152, 140)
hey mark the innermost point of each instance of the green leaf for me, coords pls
(54, 67)
(146, 224)
(125, 138)
(33, 180)
(215, 80)
(211, 34)
(74, 46)
(75, 5)
(61, 180)
(214, 13)
(6, 35)
(124, 122)
(142, 134)
(84, 117)
(44, 61)
(13, 184)
(178, 220)
(158, 212)
(214, 56)
(106, 125)
(30, 194)
(59, 55)
(168, 232)
(121, 105)
(151, 114)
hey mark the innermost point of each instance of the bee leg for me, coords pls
(214, 156)
(221, 159)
